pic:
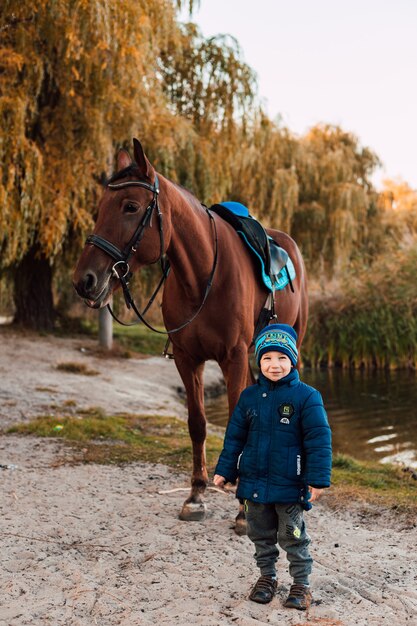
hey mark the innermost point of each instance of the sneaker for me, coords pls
(299, 597)
(264, 590)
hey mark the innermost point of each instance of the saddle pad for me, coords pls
(237, 208)
(278, 281)
(276, 268)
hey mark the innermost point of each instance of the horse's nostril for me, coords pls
(89, 282)
(86, 284)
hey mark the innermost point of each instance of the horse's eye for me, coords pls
(130, 208)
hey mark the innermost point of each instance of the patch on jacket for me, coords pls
(250, 414)
(286, 411)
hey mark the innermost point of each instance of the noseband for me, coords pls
(121, 269)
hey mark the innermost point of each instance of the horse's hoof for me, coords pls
(240, 526)
(193, 512)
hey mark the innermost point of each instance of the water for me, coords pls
(373, 415)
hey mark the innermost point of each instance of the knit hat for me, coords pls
(279, 338)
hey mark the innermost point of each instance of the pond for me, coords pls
(373, 415)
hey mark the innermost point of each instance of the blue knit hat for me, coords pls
(279, 338)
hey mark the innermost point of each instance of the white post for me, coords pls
(105, 328)
(105, 320)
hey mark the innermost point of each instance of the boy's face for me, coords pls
(275, 365)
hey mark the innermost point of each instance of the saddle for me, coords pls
(276, 266)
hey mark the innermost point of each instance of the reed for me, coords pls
(371, 322)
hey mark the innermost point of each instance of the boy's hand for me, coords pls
(315, 493)
(219, 481)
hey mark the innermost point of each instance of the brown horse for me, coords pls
(195, 241)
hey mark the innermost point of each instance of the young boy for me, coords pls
(278, 442)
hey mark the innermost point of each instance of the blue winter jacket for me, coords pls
(278, 441)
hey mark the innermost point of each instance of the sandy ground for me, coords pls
(85, 545)
(31, 384)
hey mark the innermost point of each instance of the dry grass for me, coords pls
(99, 438)
(367, 484)
(371, 322)
(76, 368)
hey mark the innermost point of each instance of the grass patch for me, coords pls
(76, 368)
(385, 485)
(127, 339)
(136, 338)
(140, 339)
(118, 439)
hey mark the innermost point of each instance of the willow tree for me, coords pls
(338, 208)
(263, 172)
(208, 83)
(317, 188)
(399, 203)
(77, 79)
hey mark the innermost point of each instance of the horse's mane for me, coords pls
(130, 170)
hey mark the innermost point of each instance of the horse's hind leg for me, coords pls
(191, 373)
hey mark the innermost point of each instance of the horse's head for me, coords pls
(128, 232)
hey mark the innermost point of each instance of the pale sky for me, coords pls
(352, 63)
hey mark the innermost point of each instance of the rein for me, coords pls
(121, 268)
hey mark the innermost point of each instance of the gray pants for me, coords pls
(269, 524)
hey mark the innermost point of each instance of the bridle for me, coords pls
(121, 268)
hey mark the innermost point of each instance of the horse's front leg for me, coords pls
(191, 373)
(238, 375)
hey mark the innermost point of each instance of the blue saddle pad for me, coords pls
(284, 275)
(237, 209)
(276, 267)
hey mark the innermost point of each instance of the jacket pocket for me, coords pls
(294, 466)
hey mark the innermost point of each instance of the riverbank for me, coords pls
(86, 543)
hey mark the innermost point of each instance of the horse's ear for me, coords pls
(140, 157)
(123, 159)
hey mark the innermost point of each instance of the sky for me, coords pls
(351, 63)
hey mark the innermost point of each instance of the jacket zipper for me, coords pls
(271, 427)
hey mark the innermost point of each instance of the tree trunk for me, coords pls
(33, 292)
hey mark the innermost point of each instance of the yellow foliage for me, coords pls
(399, 205)
(79, 77)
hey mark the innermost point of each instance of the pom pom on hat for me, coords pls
(278, 338)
